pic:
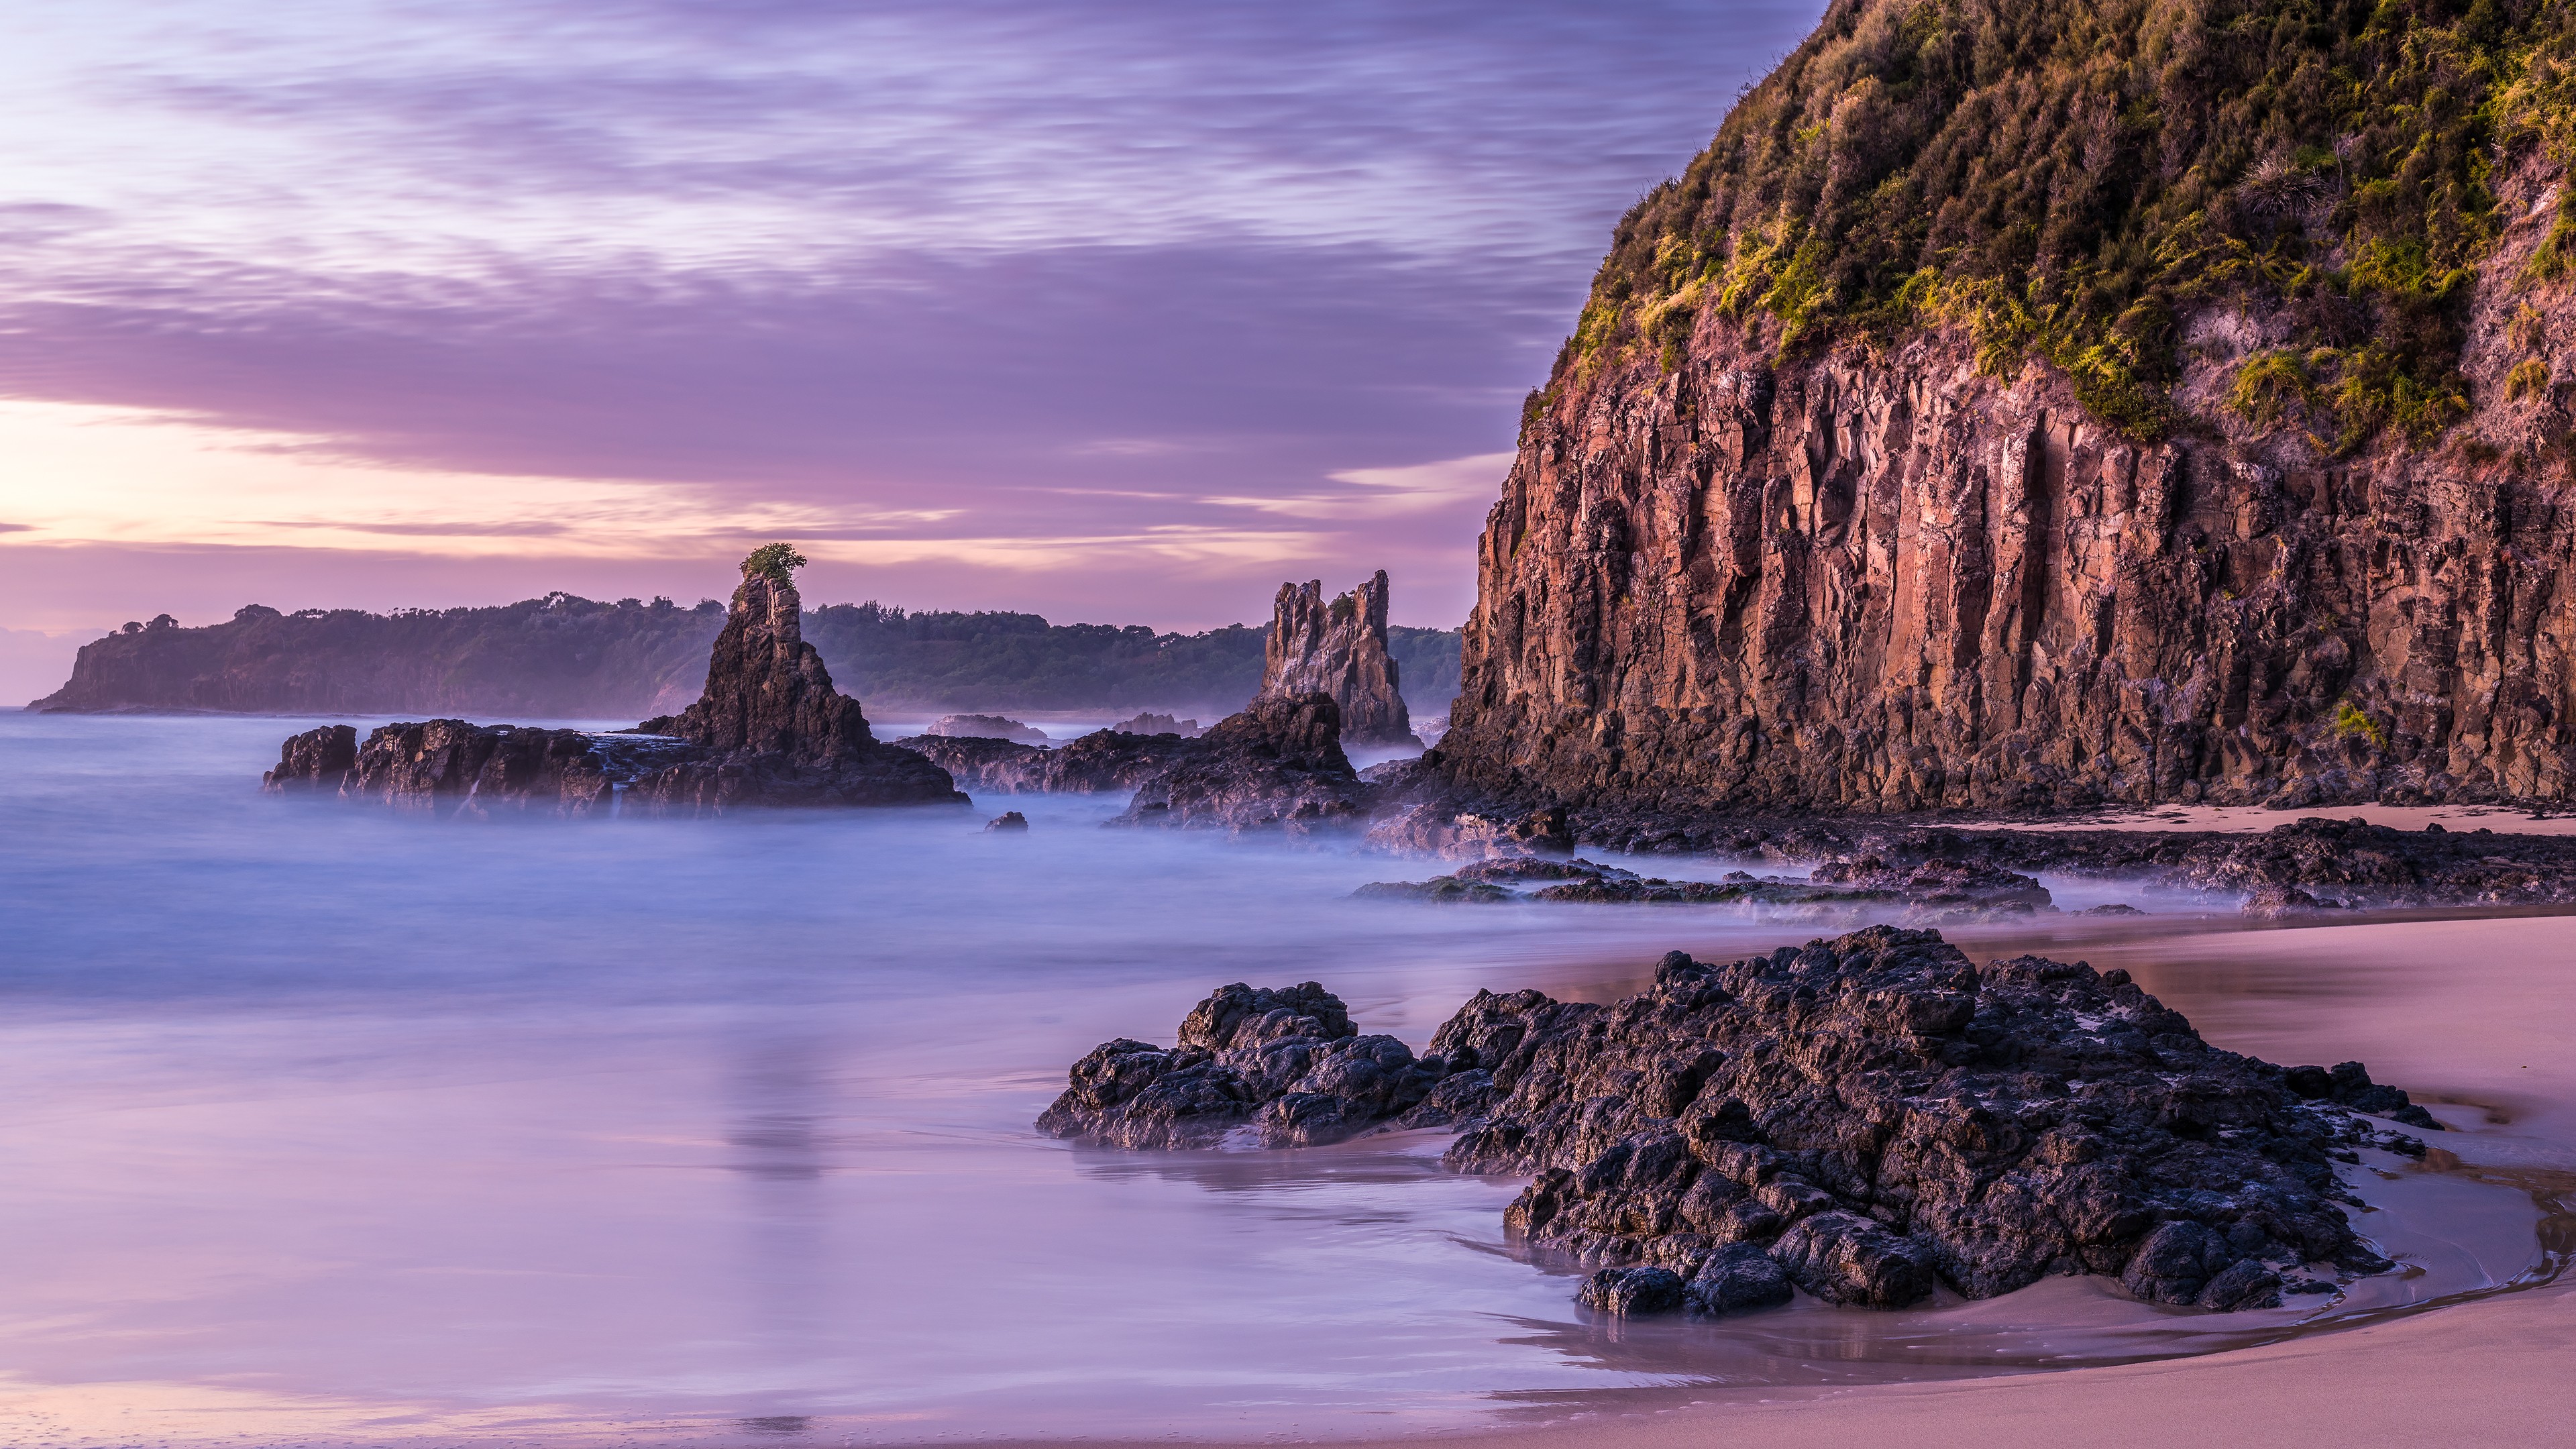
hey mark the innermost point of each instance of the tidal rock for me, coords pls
(1882, 1115)
(1737, 1277)
(1101, 762)
(1338, 648)
(1277, 765)
(1626, 1291)
(318, 759)
(470, 769)
(1150, 723)
(1938, 893)
(1008, 820)
(1286, 1068)
(986, 727)
(1438, 828)
(768, 729)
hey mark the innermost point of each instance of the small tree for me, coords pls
(778, 561)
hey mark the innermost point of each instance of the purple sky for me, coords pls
(1119, 312)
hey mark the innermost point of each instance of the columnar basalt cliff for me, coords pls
(1966, 430)
(768, 729)
(1338, 648)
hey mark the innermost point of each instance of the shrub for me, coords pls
(2350, 720)
(776, 561)
(2529, 378)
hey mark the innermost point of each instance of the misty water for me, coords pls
(324, 1122)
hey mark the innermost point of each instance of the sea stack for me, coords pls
(768, 729)
(1338, 648)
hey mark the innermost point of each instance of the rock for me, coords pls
(2112, 908)
(1287, 1065)
(1939, 893)
(986, 727)
(1627, 1292)
(1886, 1115)
(768, 729)
(1438, 828)
(1338, 649)
(1738, 1277)
(1278, 765)
(1101, 762)
(1006, 821)
(1871, 1116)
(318, 759)
(2272, 902)
(1885, 575)
(1150, 723)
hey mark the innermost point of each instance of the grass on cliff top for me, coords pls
(2067, 180)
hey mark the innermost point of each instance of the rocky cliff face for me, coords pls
(1338, 648)
(1785, 538)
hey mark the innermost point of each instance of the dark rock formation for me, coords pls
(1339, 649)
(1866, 1118)
(1150, 723)
(768, 729)
(1938, 893)
(1285, 1068)
(1439, 828)
(1097, 763)
(987, 727)
(1277, 765)
(472, 769)
(1008, 820)
(1779, 539)
(2351, 863)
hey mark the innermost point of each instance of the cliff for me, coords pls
(1338, 648)
(2036, 405)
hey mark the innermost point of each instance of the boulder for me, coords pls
(1277, 765)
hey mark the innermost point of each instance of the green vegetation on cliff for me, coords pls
(2070, 179)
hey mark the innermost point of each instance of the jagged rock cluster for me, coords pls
(986, 727)
(1150, 723)
(1864, 1118)
(1096, 763)
(2329, 863)
(1276, 765)
(1934, 893)
(768, 729)
(1281, 1068)
(1339, 649)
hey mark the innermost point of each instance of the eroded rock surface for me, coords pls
(768, 729)
(986, 727)
(1867, 1117)
(1936, 893)
(1097, 763)
(1277, 765)
(1338, 648)
(1284, 1067)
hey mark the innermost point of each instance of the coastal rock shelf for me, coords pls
(1864, 1118)
(769, 729)
(1933, 893)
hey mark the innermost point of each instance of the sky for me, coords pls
(1115, 312)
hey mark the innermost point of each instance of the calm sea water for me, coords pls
(321, 1123)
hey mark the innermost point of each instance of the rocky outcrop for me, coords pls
(1278, 765)
(1872, 1116)
(1338, 648)
(1150, 723)
(1102, 762)
(2335, 864)
(1933, 893)
(1749, 558)
(768, 729)
(472, 769)
(986, 727)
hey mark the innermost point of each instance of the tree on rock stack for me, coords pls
(1338, 649)
(773, 728)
